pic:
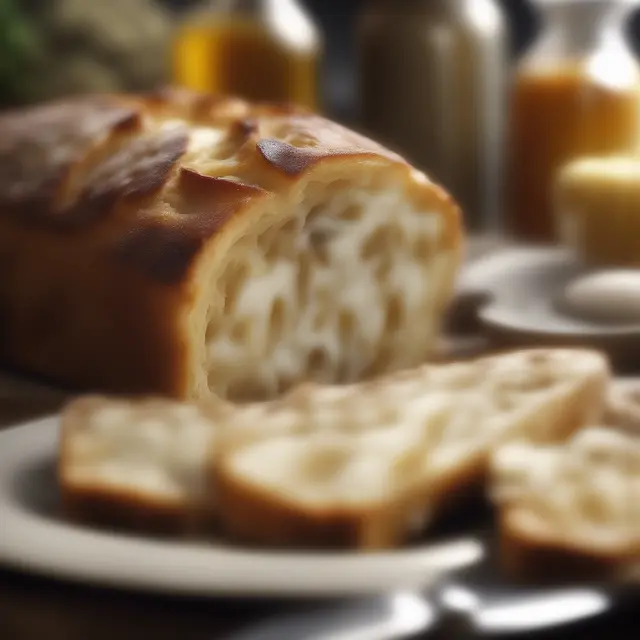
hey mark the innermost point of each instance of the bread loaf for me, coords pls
(180, 244)
(570, 511)
(356, 466)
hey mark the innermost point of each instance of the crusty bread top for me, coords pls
(167, 171)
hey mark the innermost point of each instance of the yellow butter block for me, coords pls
(597, 208)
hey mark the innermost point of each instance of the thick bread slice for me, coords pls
(364, 465)
(348, 475)
(570, 511)
(180, 244)
(137, 463)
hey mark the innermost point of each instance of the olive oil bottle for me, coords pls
(255, 49)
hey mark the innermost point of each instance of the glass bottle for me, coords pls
(256, 49)
(433, 76)
(577, 92)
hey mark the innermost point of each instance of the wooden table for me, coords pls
(39, 609)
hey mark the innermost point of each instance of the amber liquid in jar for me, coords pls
(242, 58)
(557, 116)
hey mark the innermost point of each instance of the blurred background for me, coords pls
(113, 24)
(491, 97)
(338, 20)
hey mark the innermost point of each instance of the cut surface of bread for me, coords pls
(365, 465)
(570, 510)
(186, 245)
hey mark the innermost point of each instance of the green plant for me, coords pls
(19, 48)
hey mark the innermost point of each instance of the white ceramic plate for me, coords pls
(523, 285)
(34, 539)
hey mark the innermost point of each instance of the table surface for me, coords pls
(39, 609)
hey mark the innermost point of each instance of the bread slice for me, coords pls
(184, 245)
(570, 511)
(367, 465)
(358, 466)
(137, 464)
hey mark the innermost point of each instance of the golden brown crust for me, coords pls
(119, 158)
(163, 248)
(39, 147)
(106, 221)
(124, 511)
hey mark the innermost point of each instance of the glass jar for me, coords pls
(577, 92)
(255, 49)
(433, 79)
